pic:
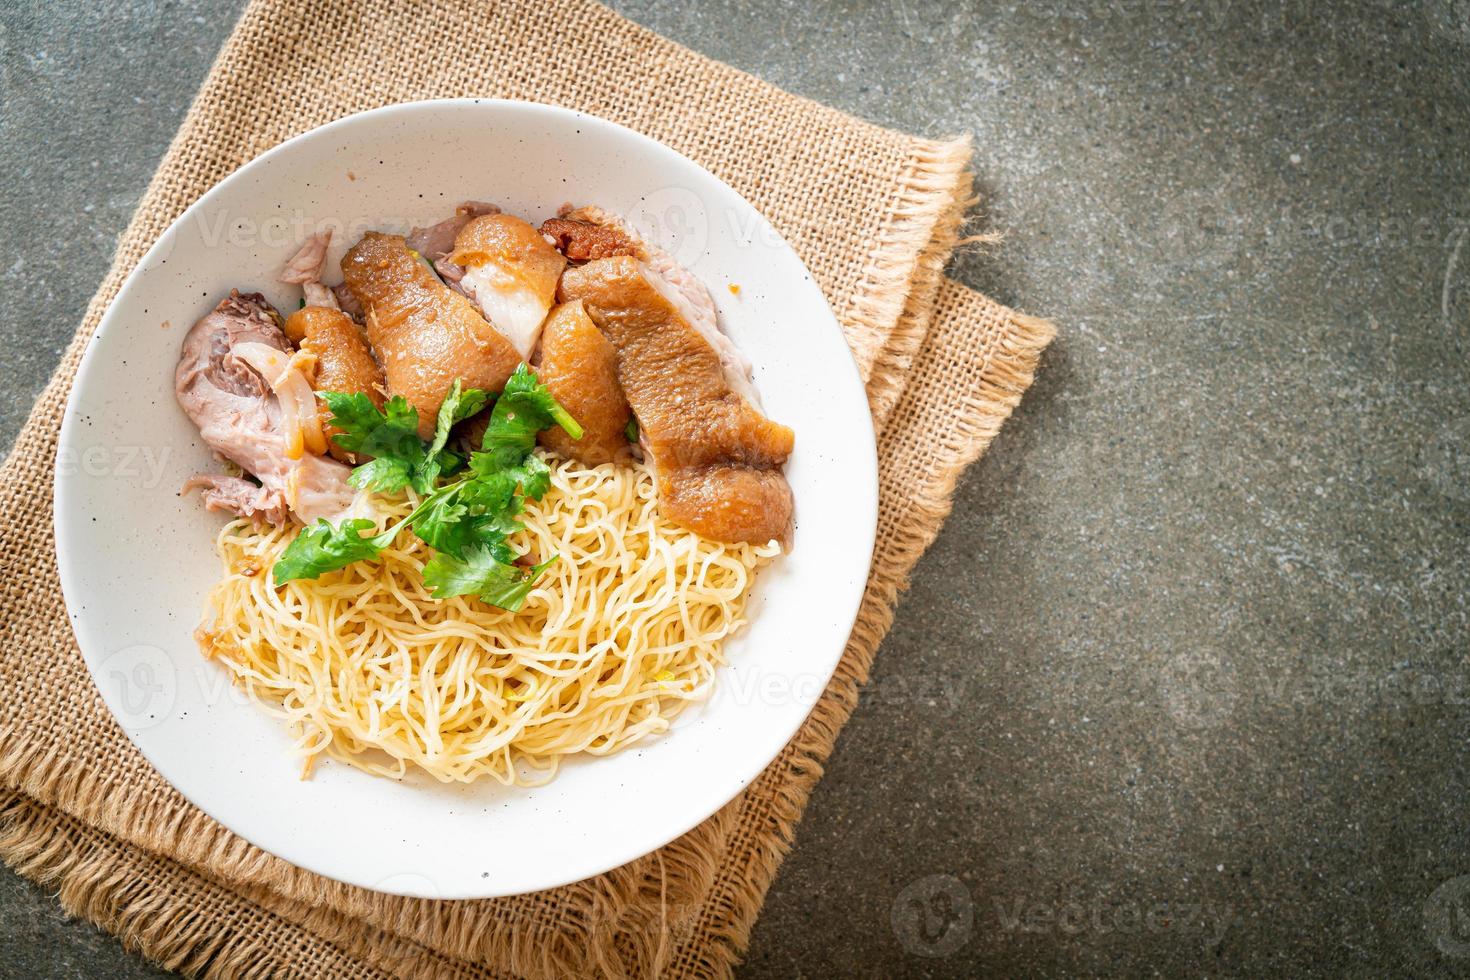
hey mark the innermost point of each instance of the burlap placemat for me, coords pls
(873, 213)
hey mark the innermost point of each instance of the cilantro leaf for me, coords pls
(383, 474)
(630, 431)
(528, 392)
(457, 406)
(534, 476)
(489, 489)
(323, 548)
(511, 595)
(469, 514)
(467, 523)
(441, 522)
(389, 435)
(499, 472)
(523, 409)
(481, 573)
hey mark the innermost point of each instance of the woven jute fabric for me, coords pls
(874, 214)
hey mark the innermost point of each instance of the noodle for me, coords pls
(618, 636)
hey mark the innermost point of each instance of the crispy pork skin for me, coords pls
(241, 420)
(425, 334)
(716, 456)
(583, 241)
(579, 367)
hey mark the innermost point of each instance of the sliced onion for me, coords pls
(283, 372)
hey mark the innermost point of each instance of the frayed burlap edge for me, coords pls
(156, 908)
(889, 375)
(895, 296)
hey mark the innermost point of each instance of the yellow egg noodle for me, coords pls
(619, 635)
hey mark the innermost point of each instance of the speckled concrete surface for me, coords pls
(1182, 688)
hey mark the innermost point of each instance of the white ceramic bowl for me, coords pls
(136, 559)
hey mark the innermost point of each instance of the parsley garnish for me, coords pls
(466, 522)
(391, 436)
(482, 574)
(324, 548)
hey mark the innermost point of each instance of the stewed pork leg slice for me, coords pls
(717, 458)
(595, 233)
(578, 365)
(343, 361)
(425, 334)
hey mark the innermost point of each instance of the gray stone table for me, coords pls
(1182, 687)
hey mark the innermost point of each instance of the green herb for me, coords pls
(523, 409)
(470, 514)
(458, 405)
(502, 472)
(467, 522)
(324, 548)
(630, 431)
(391, 437)
(482, 574)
